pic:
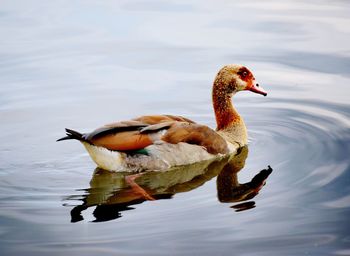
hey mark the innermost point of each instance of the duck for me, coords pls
(160, 142)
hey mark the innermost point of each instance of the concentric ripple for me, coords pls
(83, 64)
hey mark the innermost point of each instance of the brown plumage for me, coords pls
(138, 135)
(123, 141)
(155, 119)
(196, 134)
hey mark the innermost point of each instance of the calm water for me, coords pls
(81, 64)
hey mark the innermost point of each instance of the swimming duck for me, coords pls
(159, 142)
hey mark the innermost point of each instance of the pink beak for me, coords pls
(257, 89)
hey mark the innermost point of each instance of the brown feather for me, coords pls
(196, 134)
(139, 123)
(155, 119)
(123, 141)
(113, 128)
(135, 134)
(156, 127)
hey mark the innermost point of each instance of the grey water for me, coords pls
(82, 64)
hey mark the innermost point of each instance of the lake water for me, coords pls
(81, 64)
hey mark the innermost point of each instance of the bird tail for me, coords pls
(72, 135)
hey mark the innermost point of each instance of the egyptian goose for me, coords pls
(160, 142)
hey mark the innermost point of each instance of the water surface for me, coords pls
(82, 64)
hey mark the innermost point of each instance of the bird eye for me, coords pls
(244, 73)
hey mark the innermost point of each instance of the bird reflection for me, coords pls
(111, 194)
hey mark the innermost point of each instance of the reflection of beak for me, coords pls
(257, 89)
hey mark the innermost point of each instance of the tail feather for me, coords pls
(72, 135)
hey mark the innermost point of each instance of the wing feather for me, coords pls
(139, 133)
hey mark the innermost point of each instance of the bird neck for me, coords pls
(225, 113)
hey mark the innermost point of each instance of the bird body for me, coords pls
(160, 142)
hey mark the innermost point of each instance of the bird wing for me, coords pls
(145, 130)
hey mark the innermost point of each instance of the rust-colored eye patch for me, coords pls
(245, 74)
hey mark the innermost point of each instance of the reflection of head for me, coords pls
(228, 187)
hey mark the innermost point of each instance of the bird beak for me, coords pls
(257, 89)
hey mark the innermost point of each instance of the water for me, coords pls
(81, 64)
